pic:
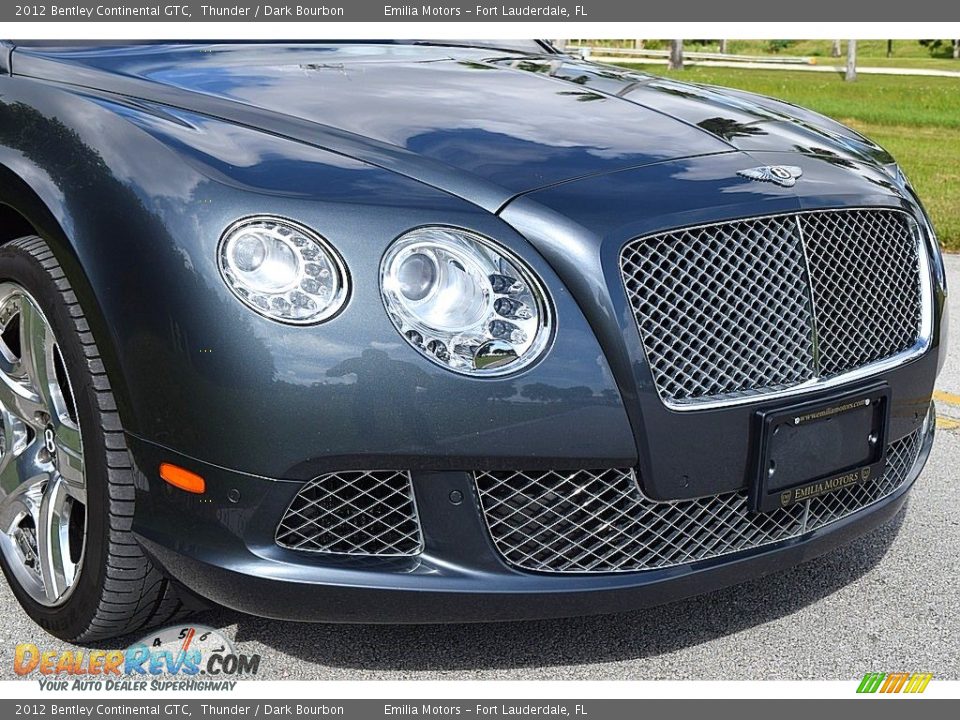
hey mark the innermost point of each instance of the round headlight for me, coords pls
(282, 270)
(464, 302)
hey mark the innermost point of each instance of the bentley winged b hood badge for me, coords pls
(784, 175)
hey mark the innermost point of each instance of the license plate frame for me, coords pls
(791, 435)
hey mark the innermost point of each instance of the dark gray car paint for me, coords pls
(132, 161)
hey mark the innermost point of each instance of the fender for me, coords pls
(38, 203)
(140, 195)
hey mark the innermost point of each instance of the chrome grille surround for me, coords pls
(600, 521)
(354, 513)
(777, 305)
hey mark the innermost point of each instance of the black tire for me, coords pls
(118, 590)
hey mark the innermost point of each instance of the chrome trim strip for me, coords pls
(814, 316)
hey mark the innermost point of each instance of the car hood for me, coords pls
(482, 124)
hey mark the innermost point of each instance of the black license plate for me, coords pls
(811, 449)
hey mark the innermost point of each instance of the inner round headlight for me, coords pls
(464, 302)
(417, 275)
(282, 270)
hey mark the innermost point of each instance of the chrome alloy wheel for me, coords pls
(43, 490)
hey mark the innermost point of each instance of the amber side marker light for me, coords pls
(183, 479)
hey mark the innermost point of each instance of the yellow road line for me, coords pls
(945, 423)
(952, 401)
(945, 397)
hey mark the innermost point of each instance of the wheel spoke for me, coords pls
(9, 474)
(19, 399)
(14, 431)
(70, 461)
(36, 355)
(68, 437)
(53, 543)
(24, 500)
(20, 472)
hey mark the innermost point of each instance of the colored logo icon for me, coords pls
(912, 683)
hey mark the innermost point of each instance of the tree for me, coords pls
(835, 49)
(676, 55)
(851, 61)
(723, 47)
(935, 47)
(889, 48)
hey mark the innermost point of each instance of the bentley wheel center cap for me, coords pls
(49, 440)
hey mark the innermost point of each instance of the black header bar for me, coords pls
(580, 11)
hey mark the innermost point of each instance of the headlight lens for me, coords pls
(464, 302)
(282, 270)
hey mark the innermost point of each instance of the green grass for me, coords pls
(931, 159)
(925, 63)
(906, 53)
(917, 119)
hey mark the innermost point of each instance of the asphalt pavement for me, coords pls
(887, 602)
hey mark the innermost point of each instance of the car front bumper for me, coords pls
(222, 546)
(337, 399)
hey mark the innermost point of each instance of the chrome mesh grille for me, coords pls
(599, 521)
(722, 309)
(866, 288)
(901, 456)
(353, 513)
(755, 306)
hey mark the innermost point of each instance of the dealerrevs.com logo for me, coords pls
(192, 657)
